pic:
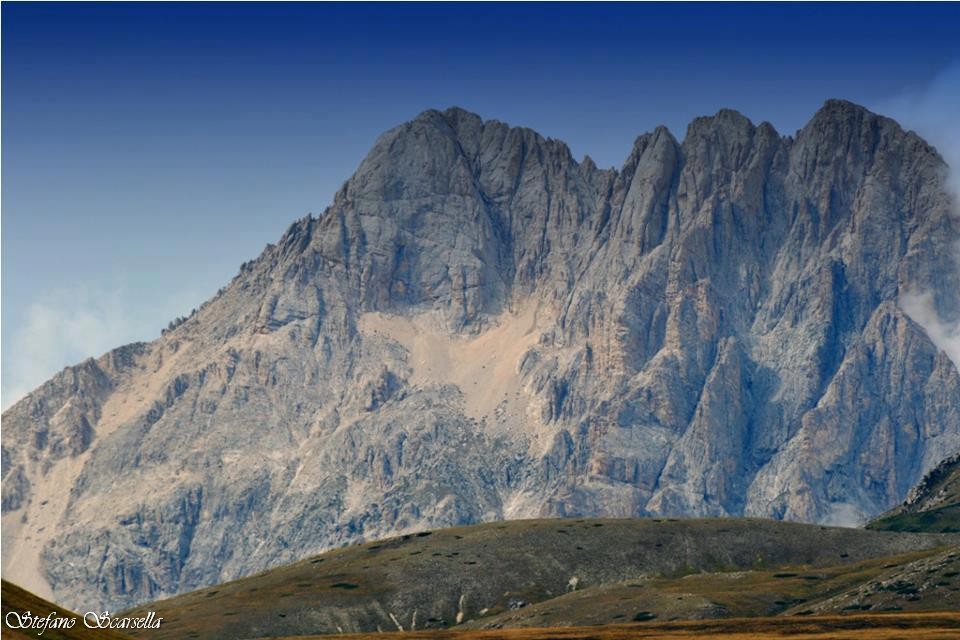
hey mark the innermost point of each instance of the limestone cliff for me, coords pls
(480, 327)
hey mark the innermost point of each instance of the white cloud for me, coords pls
(919, 306)
(66, 326)
(61, 328)
(933, 113)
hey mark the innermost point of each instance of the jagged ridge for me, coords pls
(480, 327)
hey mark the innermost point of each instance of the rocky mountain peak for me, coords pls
(850, 138)
(479, 328)
(725, 124)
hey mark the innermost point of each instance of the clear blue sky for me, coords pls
(149, 149)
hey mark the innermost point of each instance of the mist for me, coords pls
(933, 113)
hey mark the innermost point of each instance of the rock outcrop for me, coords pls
(931, 506)
(480, 327)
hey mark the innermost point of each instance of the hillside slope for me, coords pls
(928, 626)
(492, 573)
(482, 328)
(18, 601)
(935, 626)
(933, 505)
(918, 581)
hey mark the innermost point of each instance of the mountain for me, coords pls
(932, 506)
(554, 573)
(482, 328)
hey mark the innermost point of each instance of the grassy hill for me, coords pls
(15, 599)
(919, 581)
(927, 582)
(524, 573)
(932, 506)
(922, 626)
(940, 520)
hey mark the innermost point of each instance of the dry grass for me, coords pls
(916, 626)
(741, 594)
(941, 520)
(21, 600)
(922, 626)
(498, 564)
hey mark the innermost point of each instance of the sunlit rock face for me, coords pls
(480, 327)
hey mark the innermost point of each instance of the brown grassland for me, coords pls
(892, 626)
(15, 599)
(913, 626)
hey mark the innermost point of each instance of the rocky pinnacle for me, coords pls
(480, 327)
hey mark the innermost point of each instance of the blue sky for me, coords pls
(149, 149)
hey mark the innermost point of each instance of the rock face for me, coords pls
(931, 506)
(939, 488)
(480, 327)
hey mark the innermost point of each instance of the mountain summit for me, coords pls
(479, 327)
